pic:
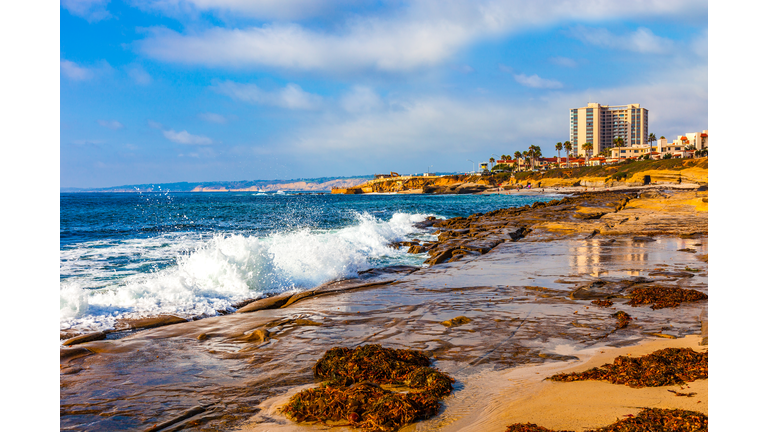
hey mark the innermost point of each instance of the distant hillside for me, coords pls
(302, 184)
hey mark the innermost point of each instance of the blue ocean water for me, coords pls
(190, 254)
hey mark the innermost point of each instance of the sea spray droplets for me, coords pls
(211, 274)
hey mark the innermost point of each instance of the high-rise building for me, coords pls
(600, 125)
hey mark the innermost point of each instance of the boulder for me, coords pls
(85, 338)
(417, 249)
(441, 257)
(146, 323)
(273, 302)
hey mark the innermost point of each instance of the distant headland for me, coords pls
(301, 184)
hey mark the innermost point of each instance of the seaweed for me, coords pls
(453, 322)
(623, 319)
(602, 303)
(529, 427)
(649, 419)
(663, 297)
(664, 367)
(353, 392)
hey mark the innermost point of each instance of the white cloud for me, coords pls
(368, 44)
(111, 124)
(360, 99)
(290, 97)
(91, 10)
(506, 69)
(537, 82)
(74, 72)
(154, 125)
(564, 61)
(700, 44)
(212, 117)
(139, 75)
(88, 142)
(642, 40)
(185, 137)
(78, 72)
(419, 34)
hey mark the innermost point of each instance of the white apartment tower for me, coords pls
(600, 125)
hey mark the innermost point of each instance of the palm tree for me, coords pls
(618, 142)
(536, 152)
(533, 151)
(525, 156)
(558, 147)
(491, 160)
(568, 147)
(518, 155)
(587, 149)
(652, 138)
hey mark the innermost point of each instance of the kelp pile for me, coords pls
(623, 319)
(663, 297)
(459, 320)
(353, 392)
(649, 419)
(602, 303)
(529, 427)
(661, 368)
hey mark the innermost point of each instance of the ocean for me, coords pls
(131, 255)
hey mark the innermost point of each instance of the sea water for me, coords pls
(130, 255)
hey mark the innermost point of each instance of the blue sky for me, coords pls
(155, 91)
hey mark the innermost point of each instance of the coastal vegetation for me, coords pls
(619, 171)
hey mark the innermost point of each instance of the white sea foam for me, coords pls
(209, 274)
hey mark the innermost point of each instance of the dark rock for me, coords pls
(146, 323)
(557, 357)
(441, 257)
(69, 354)
(590, 215)
(273, 302)
(86, 338)
(643, 239)
(673, 274)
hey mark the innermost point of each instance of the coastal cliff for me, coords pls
(627, 174)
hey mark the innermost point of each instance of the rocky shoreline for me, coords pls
(520, 279)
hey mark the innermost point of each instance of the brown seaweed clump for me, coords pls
(459, 320)
(353, 392)
(623, 319)
(529, 427)
(649, 419)
(664, 367)
(602, 303)
(663, 297)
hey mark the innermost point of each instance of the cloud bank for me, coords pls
(423, 33)
(289, 97)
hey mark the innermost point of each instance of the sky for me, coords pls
(158, 91)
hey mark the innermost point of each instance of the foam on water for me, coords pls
(190, 275)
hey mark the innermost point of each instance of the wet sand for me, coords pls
(529, 304)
